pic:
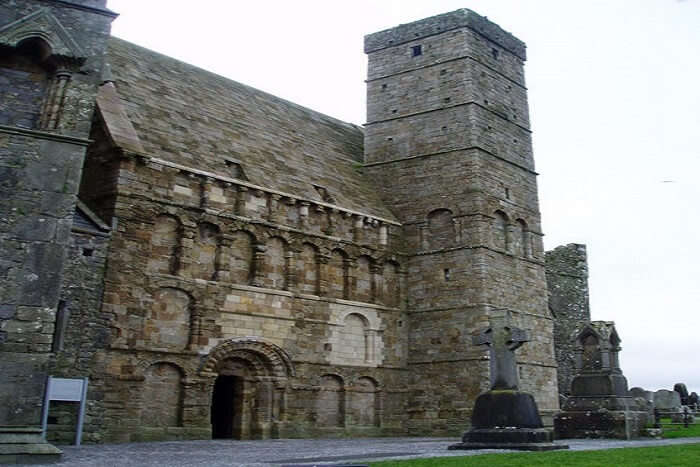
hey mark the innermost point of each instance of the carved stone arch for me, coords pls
(43, 25)
(277, 362)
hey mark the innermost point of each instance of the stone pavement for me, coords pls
(294, 452)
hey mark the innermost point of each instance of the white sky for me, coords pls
(614, 91)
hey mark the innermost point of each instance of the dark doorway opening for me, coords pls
(225, 407)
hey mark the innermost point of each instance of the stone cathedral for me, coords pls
(223, 263)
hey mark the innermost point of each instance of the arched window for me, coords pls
(500, 231)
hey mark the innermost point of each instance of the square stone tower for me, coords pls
(448, 140)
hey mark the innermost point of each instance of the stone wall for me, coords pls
(52, 58)
(448, 143)
(567, 284)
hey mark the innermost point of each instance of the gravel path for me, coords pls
(293, 452)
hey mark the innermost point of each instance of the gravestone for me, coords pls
(600, 405)
(666, 400)
(644, 400)
(504, 417)
(693, 400)
(683, 391)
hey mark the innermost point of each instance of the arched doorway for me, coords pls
(248, 394)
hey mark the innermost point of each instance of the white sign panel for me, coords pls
(64, 389)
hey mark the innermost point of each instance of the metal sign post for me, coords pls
(69, 390)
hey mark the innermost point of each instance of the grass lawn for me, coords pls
(681, 455)
(679, 431)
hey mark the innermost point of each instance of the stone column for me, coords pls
(273, 206)
(189, 237)
(289, 271)
(304, 215)
(241, 198)
(510, 238)
(223, 259)
(383, 236)
(357, 230)
(350, 279)
(423, 236)
(259, 265)
(323, 274)
(197, 313)
(53, 104)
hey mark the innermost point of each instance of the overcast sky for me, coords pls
(614, 92)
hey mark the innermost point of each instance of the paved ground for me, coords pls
(293, 452)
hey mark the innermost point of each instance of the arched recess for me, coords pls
(167, 325)
(308, 269)
(338, 274)
(205, 251)
(523, 238)
(248, 394)
(500, 231)
(25, 72)
(391, 284)
(591, 356)
(355, 342)
(364, 403)
(275, 276)
(363, 286)
(441, 230)
(330, 403)
(242, 257)
(165, 245)
(162, 396)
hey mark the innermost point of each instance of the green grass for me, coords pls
(679, 431)
(681, 455)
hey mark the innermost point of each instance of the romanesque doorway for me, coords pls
(248, 390)
(226, 407)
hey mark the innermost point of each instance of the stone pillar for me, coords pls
(350, 287)
(53, 103)
(357, 229)
(189, 237)
(241, 198)
(304, 215)
(205, 184)
(259, 265)
(510, 238)
(383, 235)
(273, 205)
(197, 313)
(423, 236)
(323, 274)
(223, 259)
(289, 271)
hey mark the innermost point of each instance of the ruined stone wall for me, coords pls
(448, 143)
(81, 337)
(567, 284)
(43, 135)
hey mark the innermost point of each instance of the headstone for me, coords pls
(693, 400)
(644, 400)
(666, 400)
(600, 406)
(504, 417)
(683, 391)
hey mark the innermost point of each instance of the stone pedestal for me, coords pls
(507, 419)
(600, 405)
(25, 445)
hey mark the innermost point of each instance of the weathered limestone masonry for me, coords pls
(448, 141)
(253, 289)
(51, 54)
(567, 281)
(239, 266)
